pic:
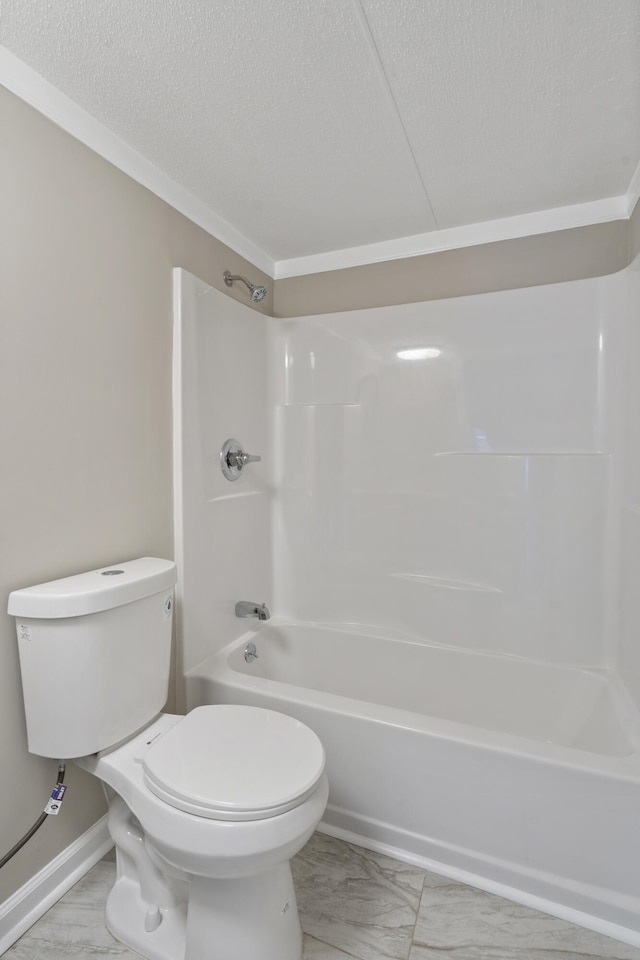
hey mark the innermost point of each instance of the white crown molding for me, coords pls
(23, 81)
(470, 235)
(20, 79)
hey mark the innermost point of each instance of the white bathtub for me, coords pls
(520, 777)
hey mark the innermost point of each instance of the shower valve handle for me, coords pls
(248, 458)
(233, 459)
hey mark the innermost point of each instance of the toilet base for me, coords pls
(127, 917)
(193, 888)
(254, 917)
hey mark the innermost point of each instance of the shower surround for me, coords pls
(445, 524)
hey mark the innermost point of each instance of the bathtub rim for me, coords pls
(624, 767)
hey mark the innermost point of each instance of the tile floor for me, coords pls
(353, 904)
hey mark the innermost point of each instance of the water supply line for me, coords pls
(51, 809)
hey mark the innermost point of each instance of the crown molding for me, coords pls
(31, 87)
(25, 83)
(470, 235)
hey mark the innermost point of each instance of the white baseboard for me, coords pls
(33, 899)
(356, 830)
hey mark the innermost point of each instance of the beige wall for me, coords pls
(528, 261)
(85, 406)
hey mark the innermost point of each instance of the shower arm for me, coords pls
(229, 279)
(257, 293)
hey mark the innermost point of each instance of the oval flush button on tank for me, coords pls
(233, 458)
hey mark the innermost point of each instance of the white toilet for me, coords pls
(205, 810)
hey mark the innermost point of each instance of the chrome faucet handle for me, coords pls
(233, 459)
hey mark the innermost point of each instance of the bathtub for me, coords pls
(519, 777)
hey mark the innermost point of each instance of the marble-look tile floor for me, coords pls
(354, 905)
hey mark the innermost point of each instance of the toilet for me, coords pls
(205, 810)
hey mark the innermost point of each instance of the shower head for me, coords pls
(257, 293)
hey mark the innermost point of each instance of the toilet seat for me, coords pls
(234, 763)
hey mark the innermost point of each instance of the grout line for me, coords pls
(415, 922)
(331, 946)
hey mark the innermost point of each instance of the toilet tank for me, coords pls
(95, 655)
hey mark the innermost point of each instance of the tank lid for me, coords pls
(95, 590)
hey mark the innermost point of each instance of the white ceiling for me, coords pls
(317, 125)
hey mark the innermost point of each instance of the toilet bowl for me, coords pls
(205, 810)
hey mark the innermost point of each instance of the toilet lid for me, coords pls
(234, 763)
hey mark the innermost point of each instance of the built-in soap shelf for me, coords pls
(240, 495)
(446, 583)
(317, 403)
(521, 453)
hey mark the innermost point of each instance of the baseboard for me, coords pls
(520, 886)
(33, 899)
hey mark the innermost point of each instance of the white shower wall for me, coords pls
(222, 358)
(446, 470)
(452, 471)
(628, 304)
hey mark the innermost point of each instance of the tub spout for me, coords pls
(246, 608)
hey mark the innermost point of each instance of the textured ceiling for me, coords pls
(314, 125)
